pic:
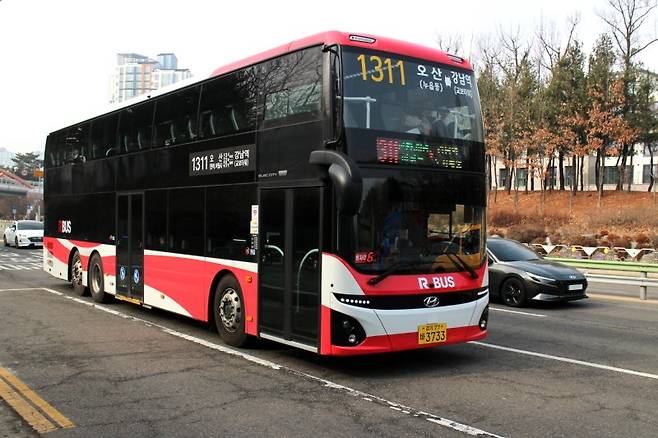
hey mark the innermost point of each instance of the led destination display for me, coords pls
(409, 152)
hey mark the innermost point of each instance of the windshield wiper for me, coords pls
(394, 268)
(391, 269)
(462, 264)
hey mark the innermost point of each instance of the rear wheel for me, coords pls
(513, 293)
(96, 280)
(76, 275)
(228, 308)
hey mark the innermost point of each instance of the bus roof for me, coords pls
(352, 39)
(328, 38)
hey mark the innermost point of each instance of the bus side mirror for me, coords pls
(345, 175)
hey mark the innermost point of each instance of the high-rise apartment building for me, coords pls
(138, 74)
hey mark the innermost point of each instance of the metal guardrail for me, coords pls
(642, 268)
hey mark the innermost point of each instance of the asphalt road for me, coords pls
(587, 368)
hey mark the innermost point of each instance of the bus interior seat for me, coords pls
(211, 123)
(190, 129)
(233, 119)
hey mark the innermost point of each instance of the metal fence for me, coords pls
(605, 267)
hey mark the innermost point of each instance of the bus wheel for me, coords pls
(97, 280)
(76, 275)
(228, 308)
(513, 293)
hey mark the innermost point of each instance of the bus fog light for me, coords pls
(346, 331)
(484, 319)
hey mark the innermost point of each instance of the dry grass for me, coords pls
(624, 218)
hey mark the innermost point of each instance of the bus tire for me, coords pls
(228, 310)
(76, 275)
(96, 280)
(513, 292)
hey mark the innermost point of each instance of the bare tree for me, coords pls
(626, 19)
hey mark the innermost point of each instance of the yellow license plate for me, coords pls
(432, 333)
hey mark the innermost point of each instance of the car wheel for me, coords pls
(512, 292)
(76, 275)
(5, 239)
(96, 280)
(16, 241)
(228, 308)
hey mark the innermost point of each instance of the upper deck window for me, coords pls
(388, 92)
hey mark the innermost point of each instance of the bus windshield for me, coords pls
(395, 93)
(401, 226)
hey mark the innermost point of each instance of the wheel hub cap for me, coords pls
(230, 310)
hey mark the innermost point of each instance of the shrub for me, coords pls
(505, 218)
(642, 241)
(624, 241)
(493, 231)
(584, 240)
(526, 233)
(556, 238)
(609, 240)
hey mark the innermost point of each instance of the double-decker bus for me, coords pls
(328, 194)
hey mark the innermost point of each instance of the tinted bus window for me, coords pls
(228, 213)
(55, 149)
(156, 220)
(228, 103)
(292, 86)
(186, 221)
(104, 136)
(175, 117)
(77, 143)
(135, 127)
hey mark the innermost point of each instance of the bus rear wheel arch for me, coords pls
(228, 311)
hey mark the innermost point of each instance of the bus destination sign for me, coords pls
(416, 153)
(227, 160)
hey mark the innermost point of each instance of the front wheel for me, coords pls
(5, 239)
(96, 280)
(16, 241)
(76, 275)
(228, 308)
(513, 293)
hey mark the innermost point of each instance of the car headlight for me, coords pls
(539, 279)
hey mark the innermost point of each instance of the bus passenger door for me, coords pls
(130, 246)
(289, 265)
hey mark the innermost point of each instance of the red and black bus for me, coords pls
(327, 194)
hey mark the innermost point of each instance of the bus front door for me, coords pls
(130, 246)
(289, 265)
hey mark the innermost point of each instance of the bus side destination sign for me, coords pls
(227, 160)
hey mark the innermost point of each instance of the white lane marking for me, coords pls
(266, 363)
(21, 288)
(568, 360)
(539, 315)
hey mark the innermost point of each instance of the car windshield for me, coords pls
(29, 225)
(409, 226)
(395, 93)
(510, 251)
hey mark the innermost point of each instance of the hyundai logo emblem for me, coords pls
(431, 301)
(572, 276)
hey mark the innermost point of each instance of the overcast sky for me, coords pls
(57, 56)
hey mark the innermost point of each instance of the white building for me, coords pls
(5, 157)
(638, 171)
(137, 74)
